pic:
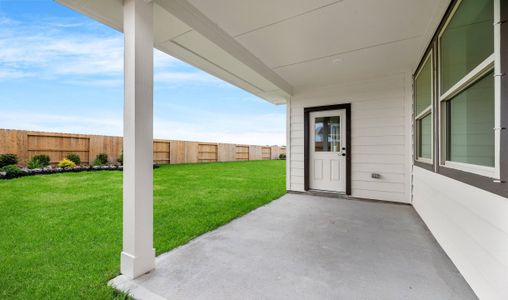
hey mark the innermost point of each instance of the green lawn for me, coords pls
(60, 235)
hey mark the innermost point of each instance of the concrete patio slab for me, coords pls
(308, 247)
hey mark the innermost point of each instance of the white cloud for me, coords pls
(22, 120)
(13, 74)
(48, 49)
(263, 129)
(185, 132)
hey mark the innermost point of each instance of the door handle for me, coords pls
(343, 154)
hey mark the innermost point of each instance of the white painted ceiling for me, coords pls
(301, 39)
(269, 47)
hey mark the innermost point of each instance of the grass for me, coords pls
(60, 235)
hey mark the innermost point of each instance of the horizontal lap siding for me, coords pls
(380, 140)
(472, 227)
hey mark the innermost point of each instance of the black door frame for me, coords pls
(306, 142)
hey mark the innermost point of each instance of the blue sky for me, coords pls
(61, 71)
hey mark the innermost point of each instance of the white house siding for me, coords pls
(381, 134)
(472, 227)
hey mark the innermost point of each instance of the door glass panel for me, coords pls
(327, 134)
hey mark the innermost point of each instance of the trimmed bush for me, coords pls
(8, 159)
(42, 158)
(74, 158)
(101, 159)
(282, 156)
(11, 171)
(66, 163)
(34, 163)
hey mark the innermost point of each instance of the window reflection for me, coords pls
(327, 134)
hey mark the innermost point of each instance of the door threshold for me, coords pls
(342, 195)
(329, 194)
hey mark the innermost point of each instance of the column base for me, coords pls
(132, 266)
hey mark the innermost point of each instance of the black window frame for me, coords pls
(426, 163)
(499, 185)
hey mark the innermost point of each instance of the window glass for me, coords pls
(424, 87)
(425, 138)
(327, 134)
(467, 41)
(471, 124)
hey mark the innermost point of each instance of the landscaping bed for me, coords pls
(40, 165)
(52, 170)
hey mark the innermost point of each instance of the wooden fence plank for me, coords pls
(242, 152)
(266, 153)
(177, 152)
(161, 152)
(57, 147)
(226, 152)
(26, 144)
(255, 152)
(207, 152)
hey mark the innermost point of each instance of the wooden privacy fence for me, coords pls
(26, 144)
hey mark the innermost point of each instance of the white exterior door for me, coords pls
(327, 153)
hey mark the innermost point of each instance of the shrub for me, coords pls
(66, 163)
(74, 158)
(120, 159)
(34, 163)
(11, 170)
(282, 156)
(101, 159)
(42, 158)
(8, 159)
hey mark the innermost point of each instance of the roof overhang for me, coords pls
(183, 32)
(273, 48)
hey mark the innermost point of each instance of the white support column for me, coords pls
(138, 255)
(288, 144)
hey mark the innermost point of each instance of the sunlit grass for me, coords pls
(60, 235)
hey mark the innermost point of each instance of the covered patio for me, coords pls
(399, 100)
(308, 247)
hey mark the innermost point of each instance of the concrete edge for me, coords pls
(124, 284)
(343, 196)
